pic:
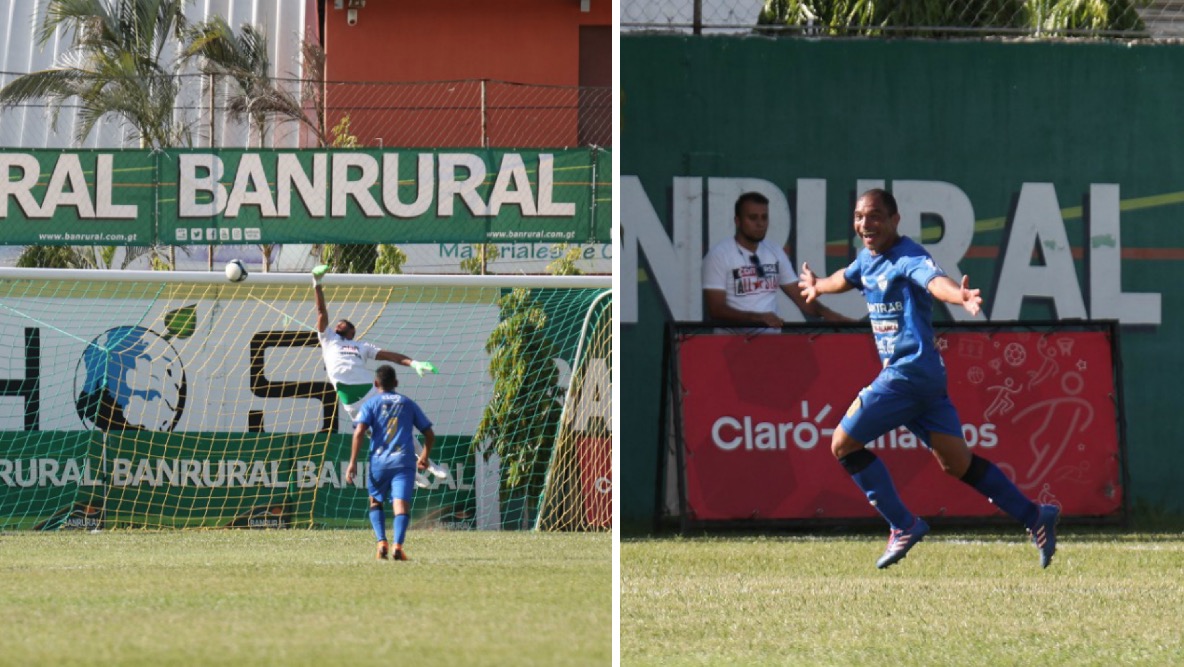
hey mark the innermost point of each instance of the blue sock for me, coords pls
(871, 475)
(378, 520)
(989, 480)
(401, 523)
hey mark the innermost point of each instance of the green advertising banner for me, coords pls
(1051, 174)
(77, 197)
(87, 480)
(375, 196)
(234, 196)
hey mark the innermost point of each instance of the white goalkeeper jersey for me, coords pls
(345, 360)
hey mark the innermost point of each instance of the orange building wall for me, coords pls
(522, 41)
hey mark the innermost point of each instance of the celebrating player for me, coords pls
(345, 361)
(899, 280)
(390, 418)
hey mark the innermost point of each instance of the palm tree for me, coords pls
(114, 68)
(244, 59)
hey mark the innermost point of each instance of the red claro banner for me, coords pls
(758, 412)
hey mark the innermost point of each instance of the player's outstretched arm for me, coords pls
(319, 294)
(813, 308)
(945, 289)
(812, 286)
(420, 367)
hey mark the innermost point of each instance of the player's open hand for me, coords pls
(808, 283)
(972, 299)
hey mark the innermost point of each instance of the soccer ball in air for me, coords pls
(235, 271)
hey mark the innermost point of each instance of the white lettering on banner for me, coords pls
(673, 259)
(729, 433)
(512, 172)
(354, 176)
(311, 192)
(1037, 224)
(423, 191)
(981, 435)
(190, 185)
(67, 187)
(152, 473)
(359, 190)
(595, 398)
(250, 188)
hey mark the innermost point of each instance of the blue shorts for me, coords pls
(391, 483)
(879, 409)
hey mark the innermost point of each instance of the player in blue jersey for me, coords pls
(390, 418)
(899, 280)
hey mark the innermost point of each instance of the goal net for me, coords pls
(142, 399)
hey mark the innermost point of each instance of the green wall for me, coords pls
(987, 118)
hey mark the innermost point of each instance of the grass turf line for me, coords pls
(964, 599)
(304, 597)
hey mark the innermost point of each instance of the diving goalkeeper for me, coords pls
(345, 361)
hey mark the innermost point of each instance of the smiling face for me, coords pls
(875, 223)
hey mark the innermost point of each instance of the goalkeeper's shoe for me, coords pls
(901, 540)
(384, 548)
(1044, 532)
(400, 554)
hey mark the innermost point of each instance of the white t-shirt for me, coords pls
(728, 266)
(345, 360)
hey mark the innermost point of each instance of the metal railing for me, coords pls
(213, 112)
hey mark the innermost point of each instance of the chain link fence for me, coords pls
(293, 113)
(918, 18)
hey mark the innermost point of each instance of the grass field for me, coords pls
(958, 599)
(303, 597)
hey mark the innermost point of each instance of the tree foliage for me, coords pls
(520, 422)
(565, 264)
(478, 263)
(929, 18)
(390, 259)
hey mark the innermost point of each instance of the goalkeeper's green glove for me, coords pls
(422, 367)
(319, 272)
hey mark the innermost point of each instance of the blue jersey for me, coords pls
(391, 417)
(900, 307)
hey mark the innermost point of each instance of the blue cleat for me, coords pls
(1044, 532)
(900, 541)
